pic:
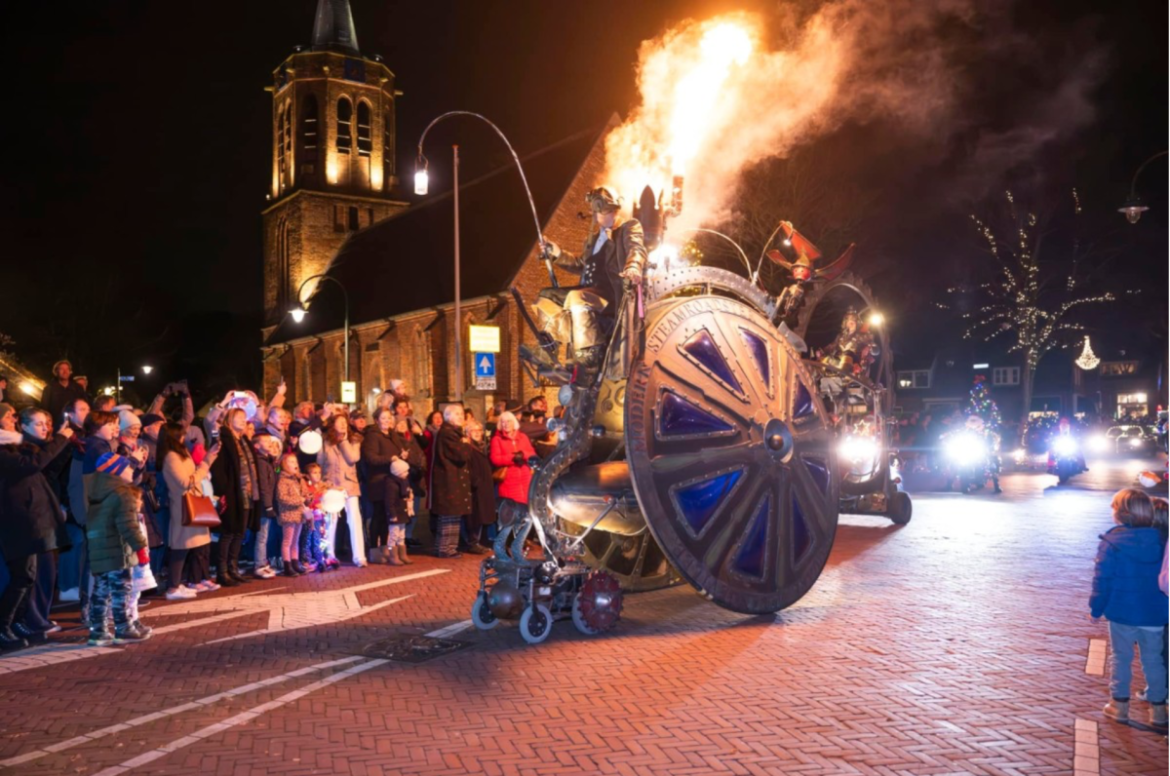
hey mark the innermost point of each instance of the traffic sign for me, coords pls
(485, 371)
(348, 392)
(484, 339)
(126, 378)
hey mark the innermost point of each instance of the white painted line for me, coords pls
(1095, 662)
(285, 625)
(1086, 750)
(238, 719)
(261, 592)
(450, 630)
(396, 580)
(146, 719)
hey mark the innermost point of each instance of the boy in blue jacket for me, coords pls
(1126, 593)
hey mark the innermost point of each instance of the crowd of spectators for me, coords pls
(100, 501)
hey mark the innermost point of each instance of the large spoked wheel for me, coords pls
(730, 453)
(481, 614)
(536, 624)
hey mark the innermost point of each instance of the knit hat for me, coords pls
(112, 463)
(400, 469)
(395, 385)
(151, 418)
(127, 419)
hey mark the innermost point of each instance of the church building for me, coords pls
(336, 210)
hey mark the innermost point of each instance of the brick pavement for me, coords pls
(955, 645)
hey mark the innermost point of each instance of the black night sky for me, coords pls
(138, 149)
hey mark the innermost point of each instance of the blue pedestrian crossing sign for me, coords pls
(485, 371)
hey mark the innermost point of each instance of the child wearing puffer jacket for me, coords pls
(1126, 593)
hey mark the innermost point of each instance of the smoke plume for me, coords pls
(721, 94)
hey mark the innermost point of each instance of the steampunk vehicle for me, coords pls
(714, 446)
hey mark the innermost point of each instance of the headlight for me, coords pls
(858, 449)
(1135, 442)
(1066, 446)
(1019, 455)
(1098, 443)
(966, 450)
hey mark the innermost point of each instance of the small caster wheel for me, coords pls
(481, 614)
(536, 624)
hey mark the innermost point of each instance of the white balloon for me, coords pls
(310, 442)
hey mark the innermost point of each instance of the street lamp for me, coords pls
(299, 312)
(147, 369)
(1133, 206)
(421, 186)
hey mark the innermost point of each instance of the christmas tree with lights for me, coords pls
(983, 405)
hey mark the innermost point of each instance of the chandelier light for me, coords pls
(1088, 360)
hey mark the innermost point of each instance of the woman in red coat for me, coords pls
(512, 449)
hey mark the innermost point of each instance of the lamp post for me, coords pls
(1133, 206)
(299, 312)
(421, 186)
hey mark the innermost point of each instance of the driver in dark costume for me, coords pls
(572, 316)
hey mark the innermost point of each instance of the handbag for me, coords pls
(199, 511)
(500, 474)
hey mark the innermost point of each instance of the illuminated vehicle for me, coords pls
(967, 455)
(1065, 459)
(1124, 440)
(710, 448)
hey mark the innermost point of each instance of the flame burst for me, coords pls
(714, 102)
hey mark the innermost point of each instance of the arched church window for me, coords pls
(344, 126)
(309, 129)
(364, 138)
(281, 152)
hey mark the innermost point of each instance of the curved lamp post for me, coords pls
(1134, 207)
(421, 186)
(299, 312)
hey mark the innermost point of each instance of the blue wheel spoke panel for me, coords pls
(700, 501)
(759, 350)
(702, 348)
(678, 417)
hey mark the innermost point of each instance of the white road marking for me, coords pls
(286, 611)
(1095, 662)
(1087, 752)
(61, 746)
(450, 630)
(238, 719)
(282, 621)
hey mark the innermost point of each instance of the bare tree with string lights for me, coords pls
(1034, 298)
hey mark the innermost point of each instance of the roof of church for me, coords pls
(405, 262)
(333, 28)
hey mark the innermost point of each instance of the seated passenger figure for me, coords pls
(572, 315)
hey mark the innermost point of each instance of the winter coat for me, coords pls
(483, 488)
(451, 478)
(1125, 580)
(416, 458)
(266, 471)
(237, 513)
(378, 451)
(112, 530)
(518, 476)
(56, 397)
(31, 518)
(290, 498)
(182, 475)
(339, 466)
(602, 270)
(394, 498)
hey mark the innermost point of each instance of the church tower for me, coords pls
(333, 155)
